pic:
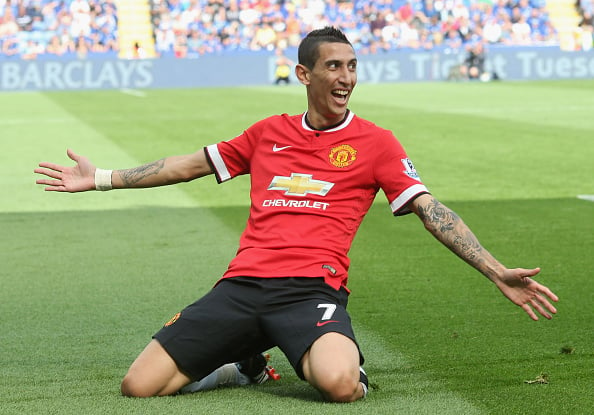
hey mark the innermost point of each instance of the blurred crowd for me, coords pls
(29, 28)
(190, 28)
(196, 27)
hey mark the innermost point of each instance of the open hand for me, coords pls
(523, 291)
(79, 178)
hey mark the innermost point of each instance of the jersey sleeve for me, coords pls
(232, 158)
(397, 176)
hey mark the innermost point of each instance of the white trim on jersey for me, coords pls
(219, 164)
(405, 196)
(342, 125)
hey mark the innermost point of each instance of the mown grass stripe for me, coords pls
(46, 138)
(83, 290)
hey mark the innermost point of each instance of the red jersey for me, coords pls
(309, 192)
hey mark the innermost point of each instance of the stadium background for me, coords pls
(85, 279)
(80, 44)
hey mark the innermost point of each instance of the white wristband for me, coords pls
(103, 180)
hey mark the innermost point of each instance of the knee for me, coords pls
(340, 387)
(135, 388)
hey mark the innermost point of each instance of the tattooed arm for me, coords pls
(445, 225)
(81, 177)
(516, 284)
(166, 171)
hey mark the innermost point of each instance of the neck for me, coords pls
(329, 124)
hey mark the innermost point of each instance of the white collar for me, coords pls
(340, 126)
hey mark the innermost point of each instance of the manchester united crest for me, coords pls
(342, 156)
(173, 320)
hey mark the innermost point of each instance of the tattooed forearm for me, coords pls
(132, 176)
(449, 229)
(468, 247)
(437, 217)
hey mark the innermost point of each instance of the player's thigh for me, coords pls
(332, 358)
(153, 372)
(219, 328)
(313, 311)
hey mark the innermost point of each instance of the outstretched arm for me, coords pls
(81, 177)
(515, 284)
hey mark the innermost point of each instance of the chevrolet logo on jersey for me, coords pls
(300, 185)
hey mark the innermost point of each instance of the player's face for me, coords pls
(331, 83)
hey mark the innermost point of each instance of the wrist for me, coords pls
(103, 180)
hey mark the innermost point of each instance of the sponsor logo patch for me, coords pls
(409, 169)
(300, 185)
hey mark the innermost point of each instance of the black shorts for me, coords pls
(243, 316)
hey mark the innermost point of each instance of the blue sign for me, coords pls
(509, 63)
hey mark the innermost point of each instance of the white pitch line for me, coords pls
(427, 394)
(133, 92)
(589, 198)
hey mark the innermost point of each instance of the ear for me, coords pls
(302, 74)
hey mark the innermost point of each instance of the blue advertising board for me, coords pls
(108, 72)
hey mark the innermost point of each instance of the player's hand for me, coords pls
(523, 291)
(79, 178)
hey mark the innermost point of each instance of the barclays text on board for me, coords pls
(75, 74)
(398, 66)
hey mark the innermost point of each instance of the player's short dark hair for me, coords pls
(309, 49)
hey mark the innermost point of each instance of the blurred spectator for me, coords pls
(586, 19)
(492, 30)
(283, 66)
(10, 45)
(8, 25)
(80, 11)
(473, 66)
(586, 6)
(521, 31)
(264, 38)
(180, 47)
(23, 19)
(56, 47)
(585, 32)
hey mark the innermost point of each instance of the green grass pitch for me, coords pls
(86, 279)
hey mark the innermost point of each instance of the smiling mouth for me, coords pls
(341, 94)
